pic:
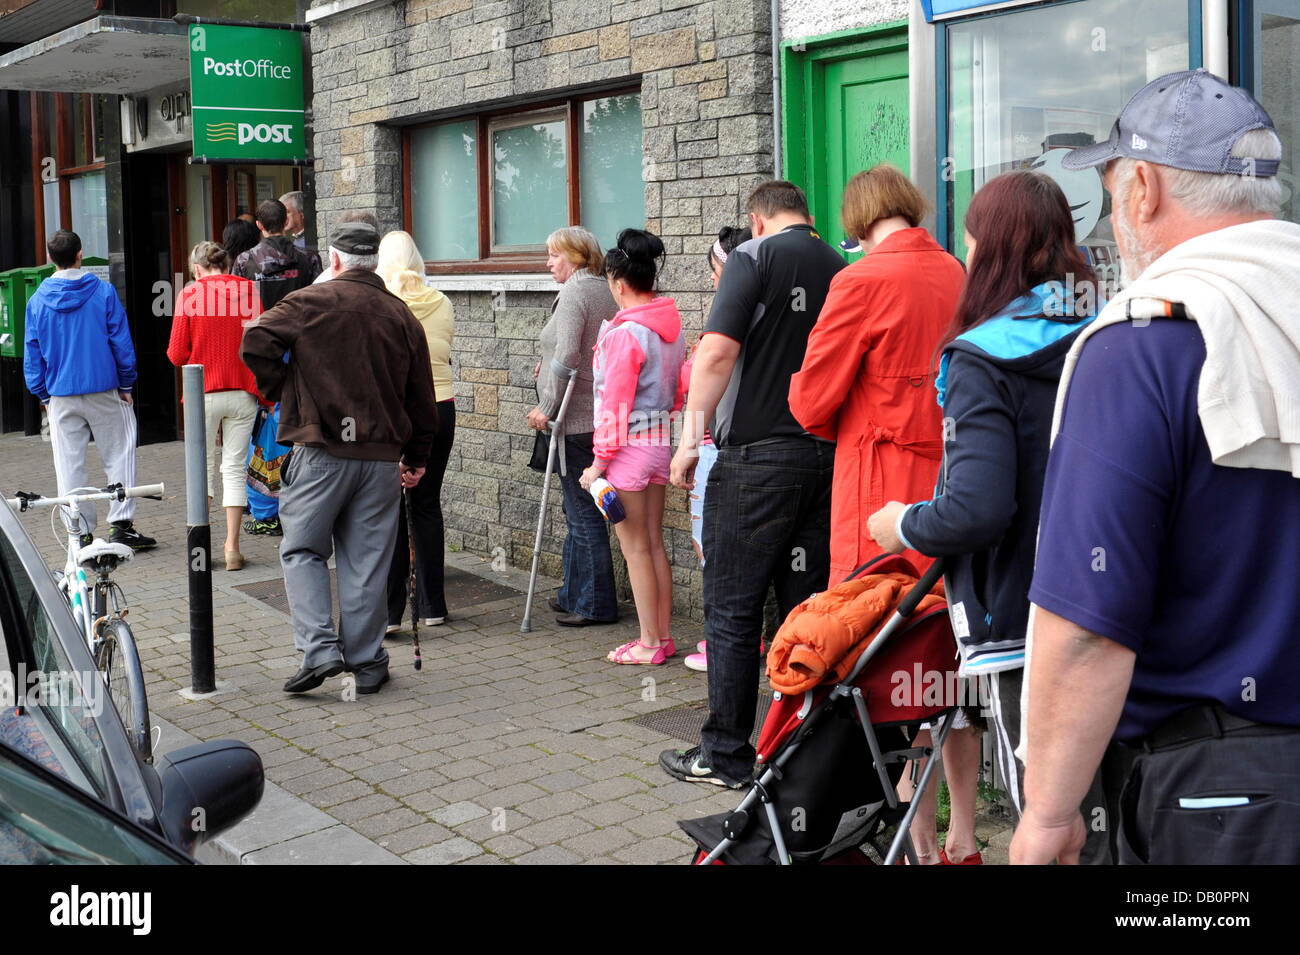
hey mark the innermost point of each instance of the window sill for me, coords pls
(489, 282)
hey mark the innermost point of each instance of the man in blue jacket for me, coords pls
(80, 363)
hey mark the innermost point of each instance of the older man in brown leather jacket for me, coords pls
(350, 366)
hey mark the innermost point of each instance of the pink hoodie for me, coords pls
(637, 372)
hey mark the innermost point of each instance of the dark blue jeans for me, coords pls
(588, 567)
(767, 521)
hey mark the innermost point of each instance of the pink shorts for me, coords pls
(636, 465)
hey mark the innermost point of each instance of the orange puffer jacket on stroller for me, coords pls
(822, 638)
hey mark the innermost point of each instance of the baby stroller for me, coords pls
(830, 759)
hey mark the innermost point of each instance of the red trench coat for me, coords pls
(867, 383)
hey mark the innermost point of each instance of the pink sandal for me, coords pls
(670, 648)
(623, 655)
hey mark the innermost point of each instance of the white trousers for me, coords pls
(104, 417)
(234, 412)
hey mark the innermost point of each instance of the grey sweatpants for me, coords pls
(348, 508)
(73, 420)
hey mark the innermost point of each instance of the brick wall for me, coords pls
(705, 77)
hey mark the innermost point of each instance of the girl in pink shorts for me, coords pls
(637, 367)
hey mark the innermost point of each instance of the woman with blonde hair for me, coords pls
(402, 268)
(207, 329)
(568, 341)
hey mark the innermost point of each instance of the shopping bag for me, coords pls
(265, 456)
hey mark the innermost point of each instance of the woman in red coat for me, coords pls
(866, 384)
(866, 381)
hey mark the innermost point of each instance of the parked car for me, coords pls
(72, 790)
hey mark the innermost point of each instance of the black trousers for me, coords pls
(767, 522)
(1232, 800)
(426, 516)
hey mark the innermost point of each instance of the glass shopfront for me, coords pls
(1269, 66)
(1025, 86)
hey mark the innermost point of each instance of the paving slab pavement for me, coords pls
(505, 747)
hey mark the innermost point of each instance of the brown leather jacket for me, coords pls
(357, 379)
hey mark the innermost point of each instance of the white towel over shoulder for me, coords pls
(1241, 285)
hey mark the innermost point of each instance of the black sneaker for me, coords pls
(684, 764)
(269, 528)
(124, 532)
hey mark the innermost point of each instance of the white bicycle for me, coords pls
(99, 607)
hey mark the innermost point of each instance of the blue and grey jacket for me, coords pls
(997, 387)
(77, 340)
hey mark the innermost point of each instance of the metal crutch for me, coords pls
(556, 427)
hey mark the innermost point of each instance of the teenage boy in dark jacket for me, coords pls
(276, 264)
(357, 403)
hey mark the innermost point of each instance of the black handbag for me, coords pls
(541, 452)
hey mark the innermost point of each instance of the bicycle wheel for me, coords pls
(119, 662)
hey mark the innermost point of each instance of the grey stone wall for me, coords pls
(704, 72)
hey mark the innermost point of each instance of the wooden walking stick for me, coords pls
(411, 583)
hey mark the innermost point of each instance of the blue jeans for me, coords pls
(767, 521)
(588, 588)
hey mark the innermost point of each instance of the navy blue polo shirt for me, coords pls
(1144, 540)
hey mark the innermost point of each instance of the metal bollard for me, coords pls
(198, 534)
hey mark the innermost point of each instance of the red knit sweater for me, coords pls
(208, 327)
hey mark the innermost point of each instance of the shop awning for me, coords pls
(103, 55)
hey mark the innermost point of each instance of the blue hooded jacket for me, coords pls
(78, 341)
(997, 386)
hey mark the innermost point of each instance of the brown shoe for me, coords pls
(577, 620)
(234, 560)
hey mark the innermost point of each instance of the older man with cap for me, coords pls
(350, 365)
(1166, 612)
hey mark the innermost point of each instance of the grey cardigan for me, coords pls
(568, 341)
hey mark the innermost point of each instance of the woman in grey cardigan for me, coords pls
(575, 259)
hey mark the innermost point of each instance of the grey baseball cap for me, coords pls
(355, 238)
(1189, 120)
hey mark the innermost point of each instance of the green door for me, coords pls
(845, 109)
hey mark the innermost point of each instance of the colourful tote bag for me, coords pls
(265, 455)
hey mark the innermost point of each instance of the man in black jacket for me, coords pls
(357, 403)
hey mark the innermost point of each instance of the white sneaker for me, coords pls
(432, 621)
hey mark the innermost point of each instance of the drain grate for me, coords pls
(463, 589)
(685, 722)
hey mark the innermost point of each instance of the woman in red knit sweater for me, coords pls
(207, 329)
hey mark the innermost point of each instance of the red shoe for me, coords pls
(973, 859)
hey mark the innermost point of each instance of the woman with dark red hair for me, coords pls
(1028, 294)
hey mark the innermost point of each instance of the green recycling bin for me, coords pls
(16, 289)
(13, 303)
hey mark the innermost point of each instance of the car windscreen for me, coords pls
(44, 821)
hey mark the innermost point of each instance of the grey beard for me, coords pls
(1136, 262)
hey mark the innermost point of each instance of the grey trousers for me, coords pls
(73, 420)
(348, 508)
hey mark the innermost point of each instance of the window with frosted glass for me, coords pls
(530, 183)
(50, 200)
(444, 191)
(90, 214)
(613, 194)
(1027, 86)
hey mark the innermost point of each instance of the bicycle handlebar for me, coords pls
(114, 492)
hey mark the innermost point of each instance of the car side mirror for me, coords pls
(206, 789)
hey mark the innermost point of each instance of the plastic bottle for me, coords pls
(606, 498)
